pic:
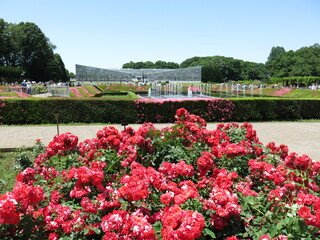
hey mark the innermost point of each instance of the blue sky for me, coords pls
(109, 33)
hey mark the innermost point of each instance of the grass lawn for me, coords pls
(303, 93)
(8, 172)
(11, 163)
(8, 94)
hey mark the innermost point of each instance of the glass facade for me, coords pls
(92, 74)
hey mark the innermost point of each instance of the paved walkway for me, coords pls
(300, 137)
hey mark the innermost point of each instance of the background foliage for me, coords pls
(303, 62)
(25, 46)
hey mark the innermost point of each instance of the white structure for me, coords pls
(92, 74)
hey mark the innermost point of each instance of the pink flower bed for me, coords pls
(194, 89)
(282, 92)
(162, 100)
(76, 92)
(179, 182)
(86, 91)
(23, 95)
(94, 89)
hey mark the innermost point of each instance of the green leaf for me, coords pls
(86, 231)
(207, 231)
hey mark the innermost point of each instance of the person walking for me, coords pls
(24, 86)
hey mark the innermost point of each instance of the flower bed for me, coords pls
(76, 91)
(179, 182)
(282, 92)
(86, 91)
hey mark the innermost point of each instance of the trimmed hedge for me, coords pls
(307, 80)
(41, 111)
(268, 109)
(216, 110)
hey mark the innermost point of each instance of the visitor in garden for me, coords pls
(29, 87)
(24, 86)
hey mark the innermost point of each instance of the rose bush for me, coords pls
(179, 182)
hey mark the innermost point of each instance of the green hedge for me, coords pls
(216, 110)
(307, 80)
(41, 111)
(262, 109)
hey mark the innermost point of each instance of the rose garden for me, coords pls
(182, 181)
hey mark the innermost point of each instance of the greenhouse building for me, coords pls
(93, 74)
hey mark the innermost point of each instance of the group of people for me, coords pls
(26, 87)
(314, 87)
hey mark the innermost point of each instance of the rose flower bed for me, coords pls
(179, 182)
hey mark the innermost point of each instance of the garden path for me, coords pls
(300, 137)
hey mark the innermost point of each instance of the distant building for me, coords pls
(93, 74)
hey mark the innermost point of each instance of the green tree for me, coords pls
(71, 75)
(10, 44)
(216, 68)
(37, 52)
(274, 54)
(188, 62)
(128, 65)
(254, 71)
(303, 62)
(25, 46)
(160, 64)
(150, 65)
(57, 69)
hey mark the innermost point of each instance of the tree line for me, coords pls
(25, 52)
(148, 64)
(303, 62)
(280, 64)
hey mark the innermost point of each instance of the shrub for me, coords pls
(2, 106)
(35, 111)
(98, 110)
(262, 109)
(164, 110)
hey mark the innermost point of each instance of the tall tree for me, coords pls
(37, 52)
(57, 69)
(303, 62)
(274, 54)
(25, 46)
(254, 71)
(272, 58)
(188, 62)
(10, 44)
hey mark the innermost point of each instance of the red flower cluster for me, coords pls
(311, 211)
(61, 143)
(121, 225)
(22, 200)
(84, 176)
(180, 182)
(181, 224)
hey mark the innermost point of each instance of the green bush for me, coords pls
(310, 109)
(99, 110)
(42, 111)
(213, 110)
(307, 80)
(262, 109)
